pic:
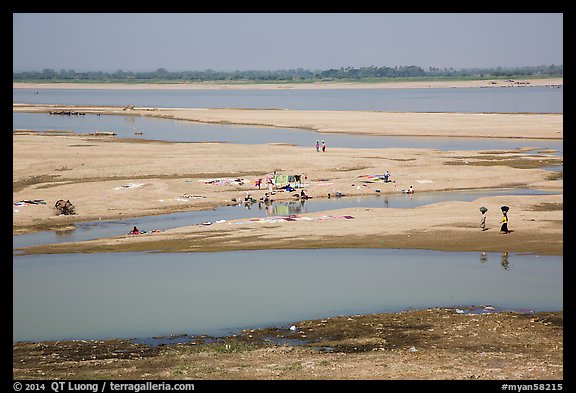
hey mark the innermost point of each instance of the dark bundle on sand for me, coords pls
(65, 207)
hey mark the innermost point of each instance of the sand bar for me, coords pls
(551, 82)
(92, 172)
(477, 125)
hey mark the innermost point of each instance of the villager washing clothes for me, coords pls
(387, 177)
(410, 190)
(303, 195)
(136, 231)
(248, 199)
(266, 199)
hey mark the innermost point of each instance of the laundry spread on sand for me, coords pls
(206, 223)
(324, 182)
(186, 197)
(225, 181)
(27, 202)
(424, 181)
(130, 185)
(292, 217)
(375, 178)
(145, 232)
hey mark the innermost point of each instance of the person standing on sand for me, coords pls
(504, 227)
(317, 146)
(270, 186)
(323, 147)
(483, 219)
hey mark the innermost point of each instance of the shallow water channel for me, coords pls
(139, 295)
(132, 295)
(97, 229)
(187, 131)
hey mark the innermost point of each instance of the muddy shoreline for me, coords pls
(430, 344)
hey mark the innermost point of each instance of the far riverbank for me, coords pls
(416, 84)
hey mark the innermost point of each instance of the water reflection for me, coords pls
(504, 259)
(483, 257)
(284, 208)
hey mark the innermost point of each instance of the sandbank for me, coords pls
(475, 125)
(92, 172)
(488, 83)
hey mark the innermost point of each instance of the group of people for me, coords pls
(269, 184)
(323, 146)
(504, 221)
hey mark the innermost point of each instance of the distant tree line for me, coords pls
(291, 75)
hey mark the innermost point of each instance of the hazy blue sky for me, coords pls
(274, 41)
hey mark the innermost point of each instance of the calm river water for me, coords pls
(501, 99)
(185, 131)
(131, 295)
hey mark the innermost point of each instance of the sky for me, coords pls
(280, 41)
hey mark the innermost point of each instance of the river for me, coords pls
(97, 296)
